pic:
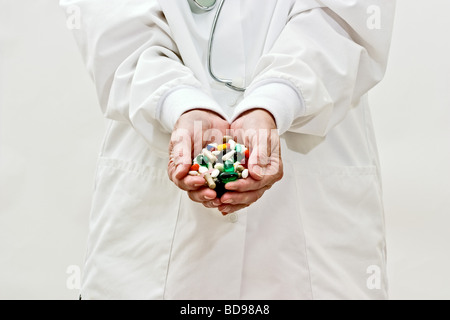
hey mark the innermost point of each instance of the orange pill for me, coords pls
(247, 153)
(195, 167)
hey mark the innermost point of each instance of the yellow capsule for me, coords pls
(222, 147)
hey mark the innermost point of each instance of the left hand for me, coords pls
(257, 130)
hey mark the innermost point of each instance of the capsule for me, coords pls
(215, 173)
(202, 160)
(211, 147)
(222, 147)
(209, 181)
(228, 166)
(232, 144)
(220, 164)
(220, 167)
(228, 177)
(227, 138)
(203, 170)
(229, 155)
(212, 158)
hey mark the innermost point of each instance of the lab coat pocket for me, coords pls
(132, 225)
(342, 211)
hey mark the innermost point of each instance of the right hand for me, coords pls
(185, 143)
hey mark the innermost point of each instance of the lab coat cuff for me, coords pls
(182, 99)
(279, 98)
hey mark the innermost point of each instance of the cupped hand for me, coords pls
(257, 130)
(194, 130)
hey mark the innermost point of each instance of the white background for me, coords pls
(51, 129)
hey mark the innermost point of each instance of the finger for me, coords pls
(190, 183)
(265, 155)
(180, 161)
(274, 171)
(202, 195)
(181, 171)
(208, 205)
(212, 204)
(245, 185)
(180, 151)
(254, 166)
(179, 176)
(247, 198)
(269, 177)
(227, 209)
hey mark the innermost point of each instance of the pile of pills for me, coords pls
(220, 164)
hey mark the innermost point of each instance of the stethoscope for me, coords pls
(201, 6)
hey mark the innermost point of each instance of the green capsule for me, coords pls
(202, 160)
(228, 177)
(229, 166)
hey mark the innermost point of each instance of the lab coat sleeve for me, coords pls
(323, 61)
(131, 55)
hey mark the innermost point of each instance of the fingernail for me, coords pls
(199, 184)
(209, 198)
(228, 201)
(226, 209)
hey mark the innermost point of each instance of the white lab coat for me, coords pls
(319, 232)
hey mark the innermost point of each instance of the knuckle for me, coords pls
(280, 175)
(193, 196)
(257, 195)
(208, 205)
(179, 184)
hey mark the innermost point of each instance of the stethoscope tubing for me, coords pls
(227, 82)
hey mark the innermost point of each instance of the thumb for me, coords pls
(180, 155)
(182, 170)
(254, 168)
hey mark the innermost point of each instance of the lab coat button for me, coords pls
(232, 102)
(233, 217)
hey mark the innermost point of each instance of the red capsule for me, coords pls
(195, 167)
